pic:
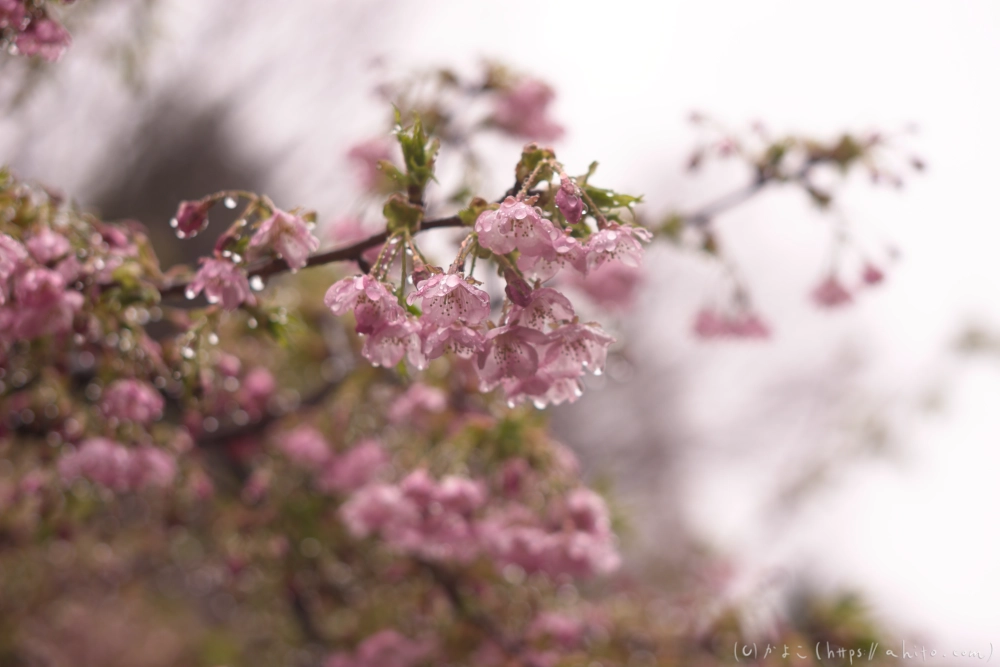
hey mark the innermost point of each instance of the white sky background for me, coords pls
(917, 532)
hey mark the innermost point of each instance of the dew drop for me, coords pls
(190, 293)
(229, 203)
(598, 371)
(173, 223)
(256, 283)
(187, 353)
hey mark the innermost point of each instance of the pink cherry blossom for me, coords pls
(44, 38)
(521, 111)
(100, 460)
(367, 156)
(373, 305)
(223, 282)
(613, 286)
(12, 255)
(447, 298)
(564, 630)
(569, 202)
(256, 390)
(289, 236)
(510, 352)
(831, 293)
(44, 306)
(460, 340)
(712, 324)
(616, 243)
(546, 309)
(872, 275)
(565, 252)
(191, 218)
(419, 398)
(47, 246)
(386, 648)
(354, 468)
(132, 400)
(150, 467)
(577, 347)
(389, 343)
(306, 447)
(12, 14)
(515, 225)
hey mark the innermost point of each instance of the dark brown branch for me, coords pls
(271, 267)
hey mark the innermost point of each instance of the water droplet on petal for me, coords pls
(190, 293)
(256, 283)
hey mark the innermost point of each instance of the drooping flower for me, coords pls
(354, 468)
(516, 225)
(419, 398)
(386, 648)
(373, 305)
(447, 298)
(306, 447)
(462, 341)
(713, 324)
(47, 246)
(223, 282)
(510, 352)
(367, 156)
(831, 293)
(12, 14)
(44, 306)
(44, 38)
(613, 286)
(191, 218)
(132, 400)
(569, 202)
(522, 111)
(546, 309)
(872, 275)
(389, 343)
(576, 347)
(565, 252)
(616, 243)
(289, 235)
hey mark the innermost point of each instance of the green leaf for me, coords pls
(401, 215)
(608, 199)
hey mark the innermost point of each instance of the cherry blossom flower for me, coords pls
(132, 400)
(546, 309)
(386, 648)
(712, 324)
(460, 340)
(12, 254)
(515, 225)
(44, 38)
(510, 353)
(373, 305)
(114, 466)
(289, 236)
(569, 202)
(447, 298)
(150, 467)
(565, 252)
(618, 243)
(47, 246)
(12, 14)
(367, 156)
(191, 218)
(306, 447)
(223, 282)
(872, 275)
(577, 347)
(389, 343)
(419, 398)
(354, 468)
(831, 293)
(521, 111)
(613, 286)
(44, 306)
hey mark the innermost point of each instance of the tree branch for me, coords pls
(353, 252)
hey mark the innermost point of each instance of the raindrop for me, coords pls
(190, 293)
(598, 371)
(213, 338)
(173, 223)
(252, 322)
(229, 203)
(256, 283)
(187, 353)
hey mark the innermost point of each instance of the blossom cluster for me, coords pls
(31, 30)
(536, 348)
